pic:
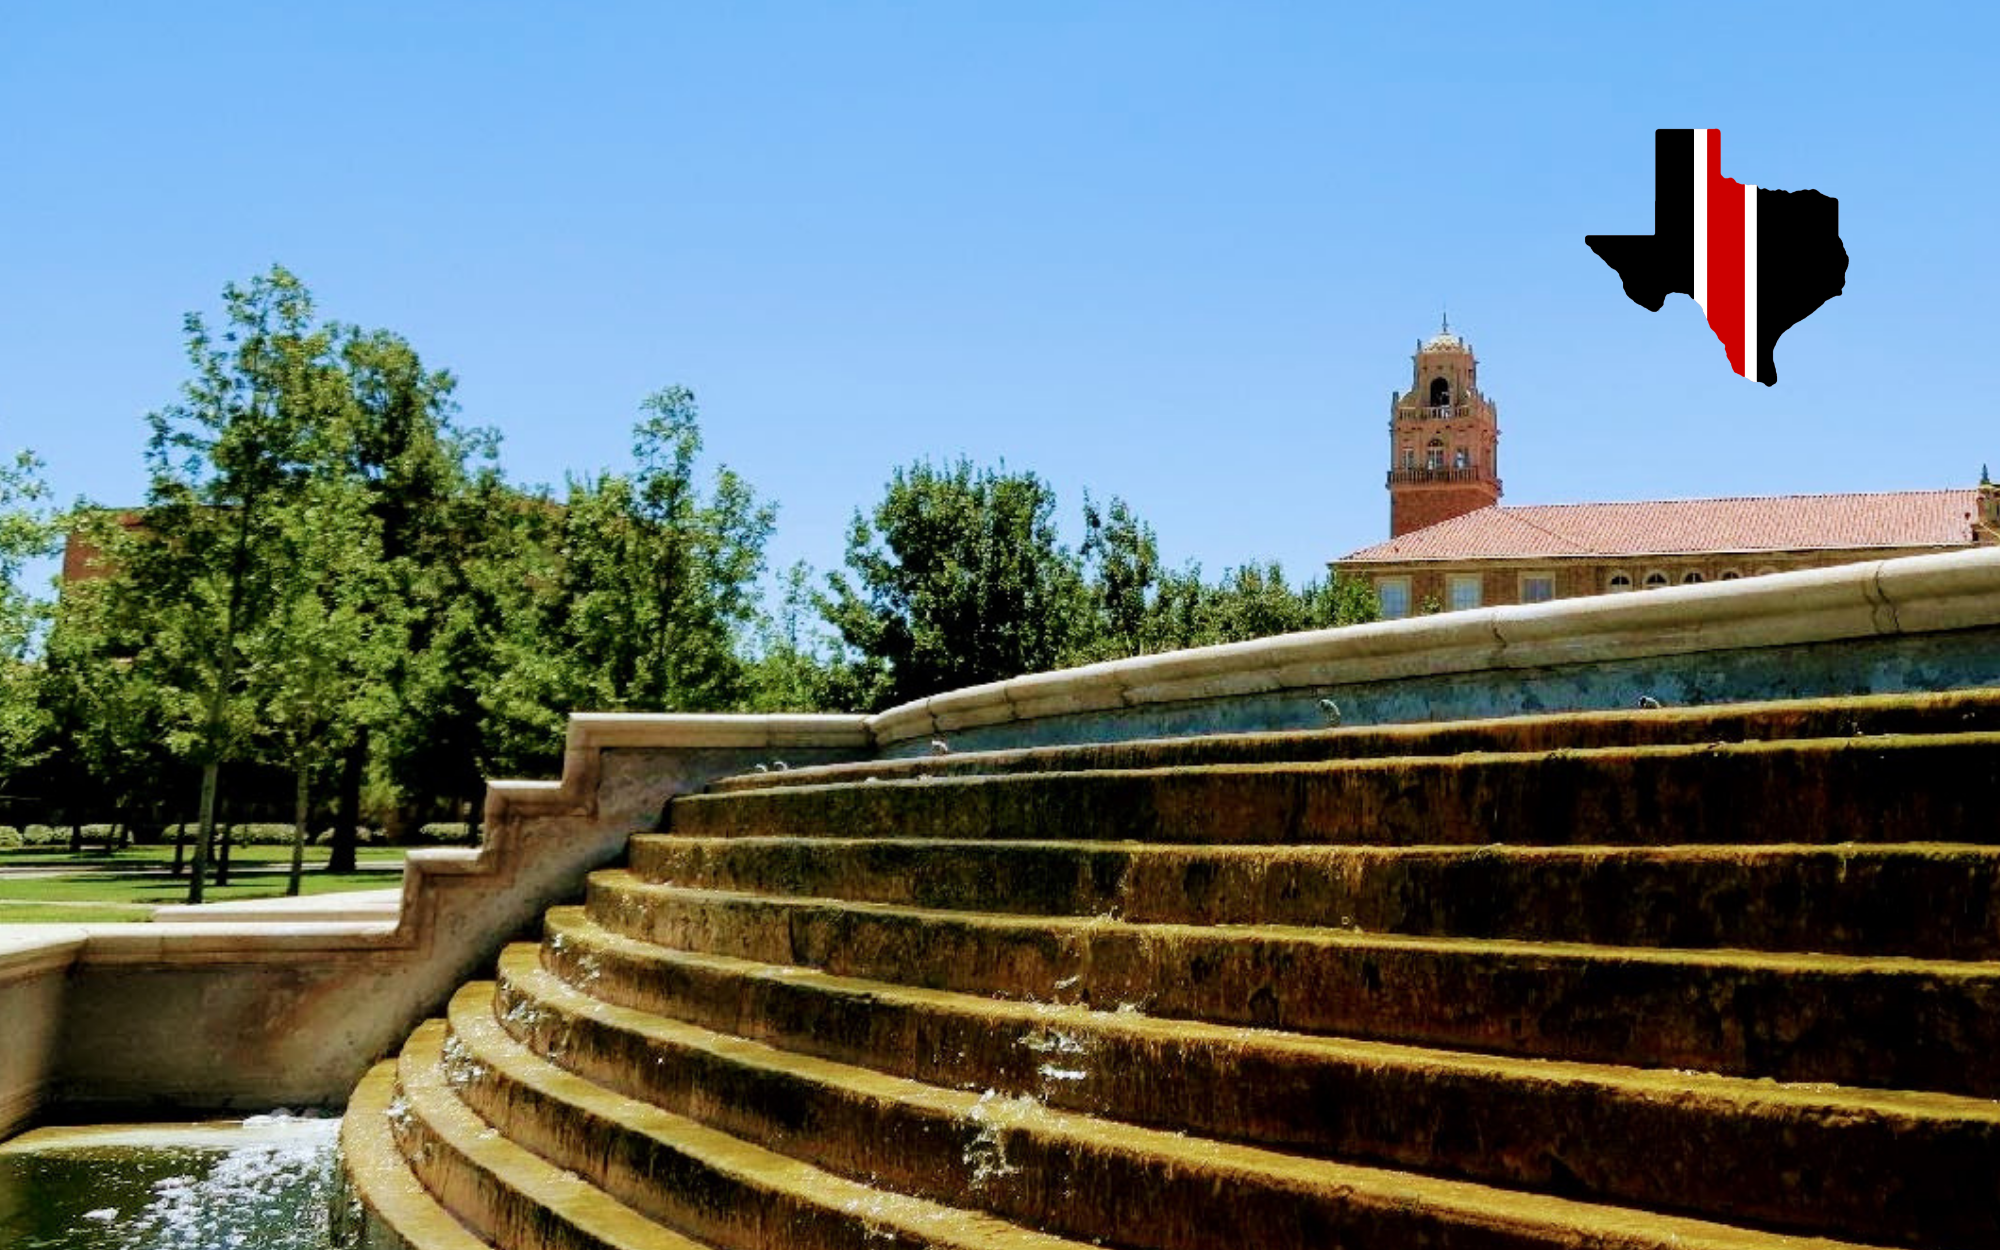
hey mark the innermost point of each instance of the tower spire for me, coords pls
(1444, 326)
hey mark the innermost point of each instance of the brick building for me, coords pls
(1452, 544)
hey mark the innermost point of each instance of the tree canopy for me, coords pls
(331, 582)
(955, 578)
(958, 577)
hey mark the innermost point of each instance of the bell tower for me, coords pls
(1444, 438)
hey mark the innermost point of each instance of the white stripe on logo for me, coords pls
(1701, 220)
(1750, 340)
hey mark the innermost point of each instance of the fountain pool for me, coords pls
(266, 1183)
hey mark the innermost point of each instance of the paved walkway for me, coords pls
(346, 905)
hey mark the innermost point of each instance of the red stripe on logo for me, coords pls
(1725, 255)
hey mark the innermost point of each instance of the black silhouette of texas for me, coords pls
(1801, 261)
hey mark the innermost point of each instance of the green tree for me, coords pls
(1340, 601)
(954, 579)
(659, 581)
(259, 418)
(106, 720)
(1121, 556)
(476, 689)
(789, 670)
(426, 483)
(313, 661)
(28, 531)
(1141, 607)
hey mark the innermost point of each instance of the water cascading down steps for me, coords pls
(1716, 979)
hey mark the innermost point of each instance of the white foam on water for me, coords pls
(265, 1183)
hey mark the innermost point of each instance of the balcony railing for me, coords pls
(1471, 474)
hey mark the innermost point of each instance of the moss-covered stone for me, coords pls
(1719, 978)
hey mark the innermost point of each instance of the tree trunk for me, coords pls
(218, 696)
(300, 814)
(205, 834)
(225, 838)
(340, 852)
(180, 847)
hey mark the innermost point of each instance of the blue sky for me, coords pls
(1176, 253)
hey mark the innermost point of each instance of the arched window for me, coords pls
(1440, 392)
(1691, 578)
(1434, 454)
(1655, 580)
(1729, 575)
(1766, 569)
(1619, 581)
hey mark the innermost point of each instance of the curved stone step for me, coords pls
(1878, 790)
(1888, 1166)
(383, 1206)
(731, 1192)
(1965, 711)
(1934, 901)
(1796, 1017)
(1100, 1180)
(512, 1197)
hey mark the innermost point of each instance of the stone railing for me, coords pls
(260, 1013)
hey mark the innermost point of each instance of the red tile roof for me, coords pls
(1909, 518)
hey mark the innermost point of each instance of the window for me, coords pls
(1766, 569)
(1461, 459)
(1434, 454)
(1409, 457)
(1691, 578)
(1464, 592)
(1394, 595)
(1537, 587)
(1618, 582)
(1440, 392)
(1729, 575)
(1655, 580)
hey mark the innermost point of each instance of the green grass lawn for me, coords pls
(127, 884)
(58, 856)
(32, 913)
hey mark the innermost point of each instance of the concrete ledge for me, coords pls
(1878, 599)
(31, 950)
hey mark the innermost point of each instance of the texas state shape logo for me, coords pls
(1756, 261)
